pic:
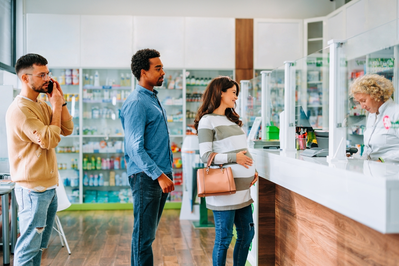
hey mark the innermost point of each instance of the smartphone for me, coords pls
(50, 86)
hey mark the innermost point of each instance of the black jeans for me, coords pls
(148, 204)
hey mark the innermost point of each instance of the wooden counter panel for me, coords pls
(308, 233)
(266, 242)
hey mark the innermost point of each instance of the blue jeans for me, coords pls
(224, 221)
(148, 204)
(36, 212)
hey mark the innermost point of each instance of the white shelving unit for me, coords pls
(98, 136)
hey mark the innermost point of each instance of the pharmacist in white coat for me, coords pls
(381, 138)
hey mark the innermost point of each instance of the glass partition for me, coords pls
(276, 103)
(372, 52)
(252, 103)
(311, 97)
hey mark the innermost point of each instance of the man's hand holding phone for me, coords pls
(54, 94)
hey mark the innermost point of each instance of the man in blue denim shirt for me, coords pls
(147, 153)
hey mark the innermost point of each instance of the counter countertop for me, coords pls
(365, 191)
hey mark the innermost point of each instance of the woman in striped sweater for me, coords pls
(220, 130)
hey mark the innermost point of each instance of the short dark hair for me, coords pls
(28, 60)
(141, 60)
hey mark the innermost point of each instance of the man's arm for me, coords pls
(133, 122)
(57, 100)
(65, 120)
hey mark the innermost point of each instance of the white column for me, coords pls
(266, 103)
(244, 103)
(395, 74)
(287, 143)
(338, 103)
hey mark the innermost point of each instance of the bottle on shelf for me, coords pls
(93, 163)
(127, 80)
(100, 180)
(91, 180)
(85, 179)
(96, 79)
(116, 163)
(111, 163)
(86, 79)
(122, 80)
(112, 178)
(192, 80)
(85, 163)
(95, 181)
(98, 164)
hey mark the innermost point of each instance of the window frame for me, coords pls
(10, 68)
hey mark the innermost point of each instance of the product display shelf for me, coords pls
(171, 95)
(252, 103)
(312, 81)
(380, 62)
(98, 133)
(372, 52)
(196, 83)
(277, 80)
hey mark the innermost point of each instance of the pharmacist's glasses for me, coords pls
(44, 76)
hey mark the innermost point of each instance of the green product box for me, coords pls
(102, 199)
(272, 133)
(114, 200)
(103, 194)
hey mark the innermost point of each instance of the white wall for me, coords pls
(289, 9)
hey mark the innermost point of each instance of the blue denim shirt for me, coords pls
(147, 145)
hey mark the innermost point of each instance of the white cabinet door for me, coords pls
(277, 41)
(210, 43)
(356, 19)
(380, 12)
(106, 41)
(164, 34)
(56, 37)
(336, 27)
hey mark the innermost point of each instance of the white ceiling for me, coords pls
(277, 9)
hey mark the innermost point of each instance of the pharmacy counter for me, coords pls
(321, 212)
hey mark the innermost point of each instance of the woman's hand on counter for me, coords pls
(243, 160)
(255, 179)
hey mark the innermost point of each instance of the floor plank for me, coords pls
(104, 238)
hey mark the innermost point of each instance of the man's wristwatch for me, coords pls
(64, 104)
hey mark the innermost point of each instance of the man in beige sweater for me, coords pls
(33, 131)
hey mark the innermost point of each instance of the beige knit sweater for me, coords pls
(31, 141)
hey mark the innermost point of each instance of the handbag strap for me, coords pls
(210, 159)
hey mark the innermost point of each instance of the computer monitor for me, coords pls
(302, 121)
(322, 139)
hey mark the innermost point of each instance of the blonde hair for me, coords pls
(378, 87)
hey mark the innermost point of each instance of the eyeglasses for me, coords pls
(44, 76)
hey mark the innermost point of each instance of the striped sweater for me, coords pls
(218, 134)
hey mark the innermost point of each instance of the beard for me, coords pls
(40, 89)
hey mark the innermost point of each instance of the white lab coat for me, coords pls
(379, 141)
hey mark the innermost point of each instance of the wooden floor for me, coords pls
(104, 238)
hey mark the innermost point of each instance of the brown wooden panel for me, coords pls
(244, 43)
(308, 233)
(266, 251)
(244, 74)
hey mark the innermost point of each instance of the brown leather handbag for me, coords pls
(215, 181)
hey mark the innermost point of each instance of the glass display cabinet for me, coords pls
(68, 150)
(104, 178)
(196, 83)
(311, 99)
(251, 102)
(172, 97)
(277, 79)
(372, 52)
